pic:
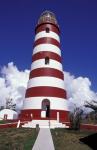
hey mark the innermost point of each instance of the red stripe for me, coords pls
(43, 27)
(45, 91)
(46, 40)
(41, 55)
(46, 72)
(63, 114)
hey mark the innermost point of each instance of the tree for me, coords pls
(92, 104)
(75, 118)
(1, 107)
(10, 104)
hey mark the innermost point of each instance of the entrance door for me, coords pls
(46, 108)
(48, 111)
(5, 116)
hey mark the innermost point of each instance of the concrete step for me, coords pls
(44, 124)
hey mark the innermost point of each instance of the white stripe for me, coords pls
(44, 34)
(36, 103)
(46, 81)
(46, 47)
(41, 64)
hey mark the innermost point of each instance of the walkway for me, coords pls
(44, 140)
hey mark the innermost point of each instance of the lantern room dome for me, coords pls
(47, 17)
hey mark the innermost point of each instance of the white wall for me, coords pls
(41, 64)
(10, 114)
(46, 81)
(51, 34)
(36, 102)
(46, 47)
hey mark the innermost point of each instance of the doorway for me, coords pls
(5, 116)
(46, 107)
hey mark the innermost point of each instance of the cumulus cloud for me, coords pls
(78, 90)
(13, 83)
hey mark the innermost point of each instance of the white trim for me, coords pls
(46, 47)
(36, 103)
(46, 81)
(41, 64)
(44, 34)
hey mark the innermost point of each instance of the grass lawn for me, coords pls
(17, 139)
(69, 140)
(4, 121)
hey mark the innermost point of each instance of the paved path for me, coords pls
(44, 140)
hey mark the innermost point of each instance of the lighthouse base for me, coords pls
(38, 114)
(45, 124)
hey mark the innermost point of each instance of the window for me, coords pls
(47, 30)
(46, 60)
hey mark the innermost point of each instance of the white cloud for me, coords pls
(78, 90)
(13, 83)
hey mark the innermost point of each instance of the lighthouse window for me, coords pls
(47, 30)
(46, 60)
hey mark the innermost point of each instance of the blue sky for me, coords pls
(78, 24)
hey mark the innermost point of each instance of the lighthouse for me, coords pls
(45, 97)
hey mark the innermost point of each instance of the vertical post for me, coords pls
(18, 124)
(58, 116)
(49, 123)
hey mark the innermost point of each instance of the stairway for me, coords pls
(44, 124)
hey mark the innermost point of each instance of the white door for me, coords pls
(43, 114)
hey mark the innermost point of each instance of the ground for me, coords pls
(17, 139)
(67, 139)
(24, 139)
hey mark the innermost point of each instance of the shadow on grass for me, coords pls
(91, 141)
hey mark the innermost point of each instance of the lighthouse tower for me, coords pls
(45, 97)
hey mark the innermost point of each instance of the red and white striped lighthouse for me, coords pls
(45, 96)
